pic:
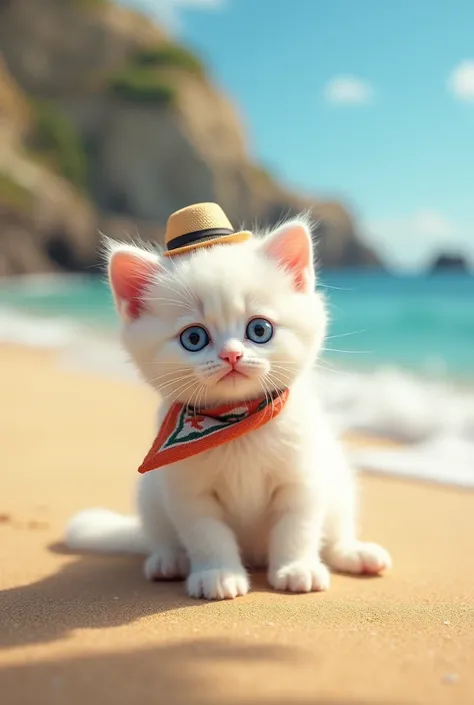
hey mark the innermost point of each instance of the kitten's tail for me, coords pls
(103, 531)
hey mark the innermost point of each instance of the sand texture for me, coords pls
(82, 630)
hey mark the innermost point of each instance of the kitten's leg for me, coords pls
(167, 559)
(295, 539)
(217, 572)
(342, 551)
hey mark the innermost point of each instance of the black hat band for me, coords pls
(198, 236)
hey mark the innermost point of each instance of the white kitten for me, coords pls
(281, 496)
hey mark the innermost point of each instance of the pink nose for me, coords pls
(231, 356)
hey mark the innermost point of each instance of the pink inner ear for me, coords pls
(130, 275)
(291, 246)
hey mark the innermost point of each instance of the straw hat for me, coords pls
(200, 225)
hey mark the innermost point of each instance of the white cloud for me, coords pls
(168, 12)
(348, 90)
(429, 224)
(461, 80)
(410, 241)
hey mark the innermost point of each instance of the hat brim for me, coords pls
(226, 240)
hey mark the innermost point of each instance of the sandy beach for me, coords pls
(78, 629)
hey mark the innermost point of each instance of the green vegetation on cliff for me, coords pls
(13, 195)
(55, 141)
(145, 79)
(144, 86)
(169, 55)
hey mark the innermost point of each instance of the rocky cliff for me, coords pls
(106, 124)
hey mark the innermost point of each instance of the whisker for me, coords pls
(181, 389)
(349, 352)
(178, 373)
(189, 404)
(168, 373)
(287, 371)
(167, 383)
(279, 372)
(273, 403)
(198, 399)
(285, 367)
(264, 390)
(173, 375)
(270, 393)
(206, 391)
(264, 387)
(277, 381)
(344, 335)
(330, 369)
(335, 288)
(175, 381)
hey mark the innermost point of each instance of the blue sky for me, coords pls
(371, 101)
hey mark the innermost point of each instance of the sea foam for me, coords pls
(433, 420)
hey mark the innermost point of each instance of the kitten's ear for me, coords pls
(292, 247)
(130, 271)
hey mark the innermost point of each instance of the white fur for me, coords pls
(114, 533)
(281, 497)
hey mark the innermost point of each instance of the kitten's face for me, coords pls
(225, 324)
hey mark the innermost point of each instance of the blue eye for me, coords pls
(259, 330)
(194, 338)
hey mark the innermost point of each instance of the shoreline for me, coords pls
(398, 440)
(406, 428)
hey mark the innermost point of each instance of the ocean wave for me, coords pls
(40, 332)
(432, 419)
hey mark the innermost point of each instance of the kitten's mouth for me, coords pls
(232, 375)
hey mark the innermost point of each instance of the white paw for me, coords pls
(218, 584)
(359, 558)
(300, 576)
(166, 565)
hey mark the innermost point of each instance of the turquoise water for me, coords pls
(414, 336)
(419, 323)
(422, 323)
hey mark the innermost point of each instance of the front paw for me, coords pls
(218, 583)
(300, 576)
(359, 558)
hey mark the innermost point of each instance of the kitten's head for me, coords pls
(224, 323)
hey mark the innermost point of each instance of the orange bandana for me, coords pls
(186, 431)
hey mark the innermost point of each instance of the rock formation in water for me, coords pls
(449, 262)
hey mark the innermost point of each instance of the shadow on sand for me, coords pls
(171, 675)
